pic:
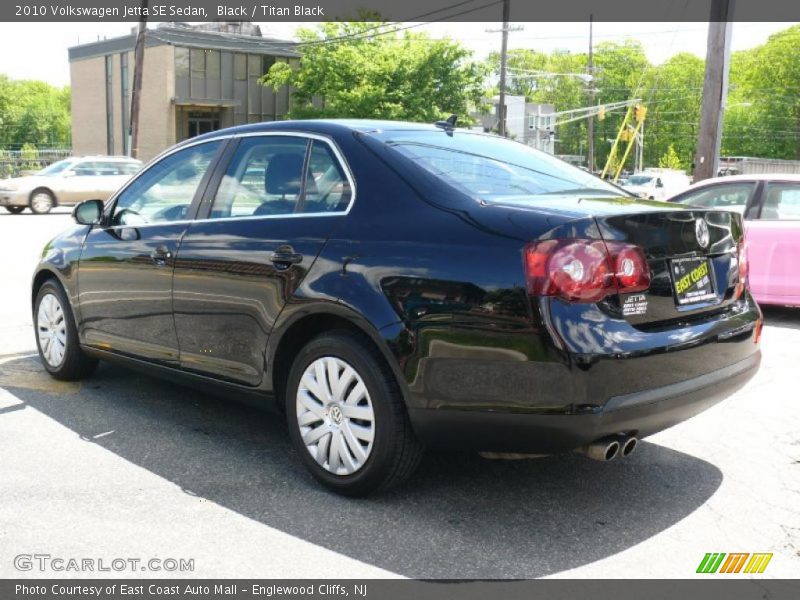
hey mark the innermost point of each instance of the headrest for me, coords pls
(283, 174)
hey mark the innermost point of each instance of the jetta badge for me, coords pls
(701, 231)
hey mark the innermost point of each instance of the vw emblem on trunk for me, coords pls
(701, 231)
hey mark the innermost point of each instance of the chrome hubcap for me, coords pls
(41, 202)
(52, 329)
(335, 415)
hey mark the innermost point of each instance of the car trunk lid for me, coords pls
(693, 256)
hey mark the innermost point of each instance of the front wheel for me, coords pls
(15, 210)
(346, 416)
(57, 336)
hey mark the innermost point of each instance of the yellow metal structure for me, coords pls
(628, 134)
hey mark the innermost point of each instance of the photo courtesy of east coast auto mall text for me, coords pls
(433, 299)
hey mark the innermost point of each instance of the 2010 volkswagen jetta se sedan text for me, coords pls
(391, 286)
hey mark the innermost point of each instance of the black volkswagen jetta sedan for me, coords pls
(391, 286)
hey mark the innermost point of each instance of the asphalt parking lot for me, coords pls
(127, 466)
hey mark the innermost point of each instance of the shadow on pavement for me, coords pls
(460, 516)
(782, 316)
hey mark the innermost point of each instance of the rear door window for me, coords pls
(282, 175)
(264, 178)
(327, 186)
(781, 202)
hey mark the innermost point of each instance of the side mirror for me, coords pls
(88, 212)
(69, 173)
(659, 184)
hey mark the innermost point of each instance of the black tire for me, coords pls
(395, 450)
(75, 364)
(41, 207)
(15, 210)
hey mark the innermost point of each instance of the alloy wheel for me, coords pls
(335, 415)
(51, 326)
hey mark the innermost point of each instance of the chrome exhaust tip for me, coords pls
(603, 450)
(628, 445)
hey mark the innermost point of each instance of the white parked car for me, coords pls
(67, 182)
(657, 184)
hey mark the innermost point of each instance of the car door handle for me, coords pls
(160, 255)
(283, 258)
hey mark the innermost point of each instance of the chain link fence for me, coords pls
(14, 163)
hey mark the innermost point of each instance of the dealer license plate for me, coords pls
(692, 280)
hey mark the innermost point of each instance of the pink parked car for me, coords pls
(770, 204)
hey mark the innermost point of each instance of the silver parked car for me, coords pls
(67, 182)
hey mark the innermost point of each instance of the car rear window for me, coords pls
(493, 169)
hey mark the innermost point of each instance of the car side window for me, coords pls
(781, 202)
(727, 196)
(85, 169)
(263, 178)
(110, 169)
(164, 192)
(327, 186)
(129, 168)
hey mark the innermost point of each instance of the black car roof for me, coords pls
(323, 126)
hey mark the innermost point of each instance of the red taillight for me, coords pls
(581, 270)
(744, 267)
(630, 267)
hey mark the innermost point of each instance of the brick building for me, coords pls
(196, 79)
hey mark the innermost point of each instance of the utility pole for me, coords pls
(501, 128)
(136, 93)
(715, 89)
(590, 122)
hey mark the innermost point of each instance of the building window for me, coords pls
(197, 63)
(240, 67)
(181, 62)
(254, 65)
(212, 64)
(109, 104)
(126, 102)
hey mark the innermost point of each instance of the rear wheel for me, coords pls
(42, 201)
(15, 210)
(57, 336)
(347, 419)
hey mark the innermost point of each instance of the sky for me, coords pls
(39, 50)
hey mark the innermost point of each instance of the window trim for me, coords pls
(221, 161)
(208, 201)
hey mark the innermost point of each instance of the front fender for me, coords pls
(60, 258)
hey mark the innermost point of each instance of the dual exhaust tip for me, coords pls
(609, 448)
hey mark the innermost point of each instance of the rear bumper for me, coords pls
(641, 413)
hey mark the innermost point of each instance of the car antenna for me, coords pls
(449, 125)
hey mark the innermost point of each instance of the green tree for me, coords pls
(33, 112)
(763, 116)
(670, 159)
(549, 79)
(398, 75)
(673, 95)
